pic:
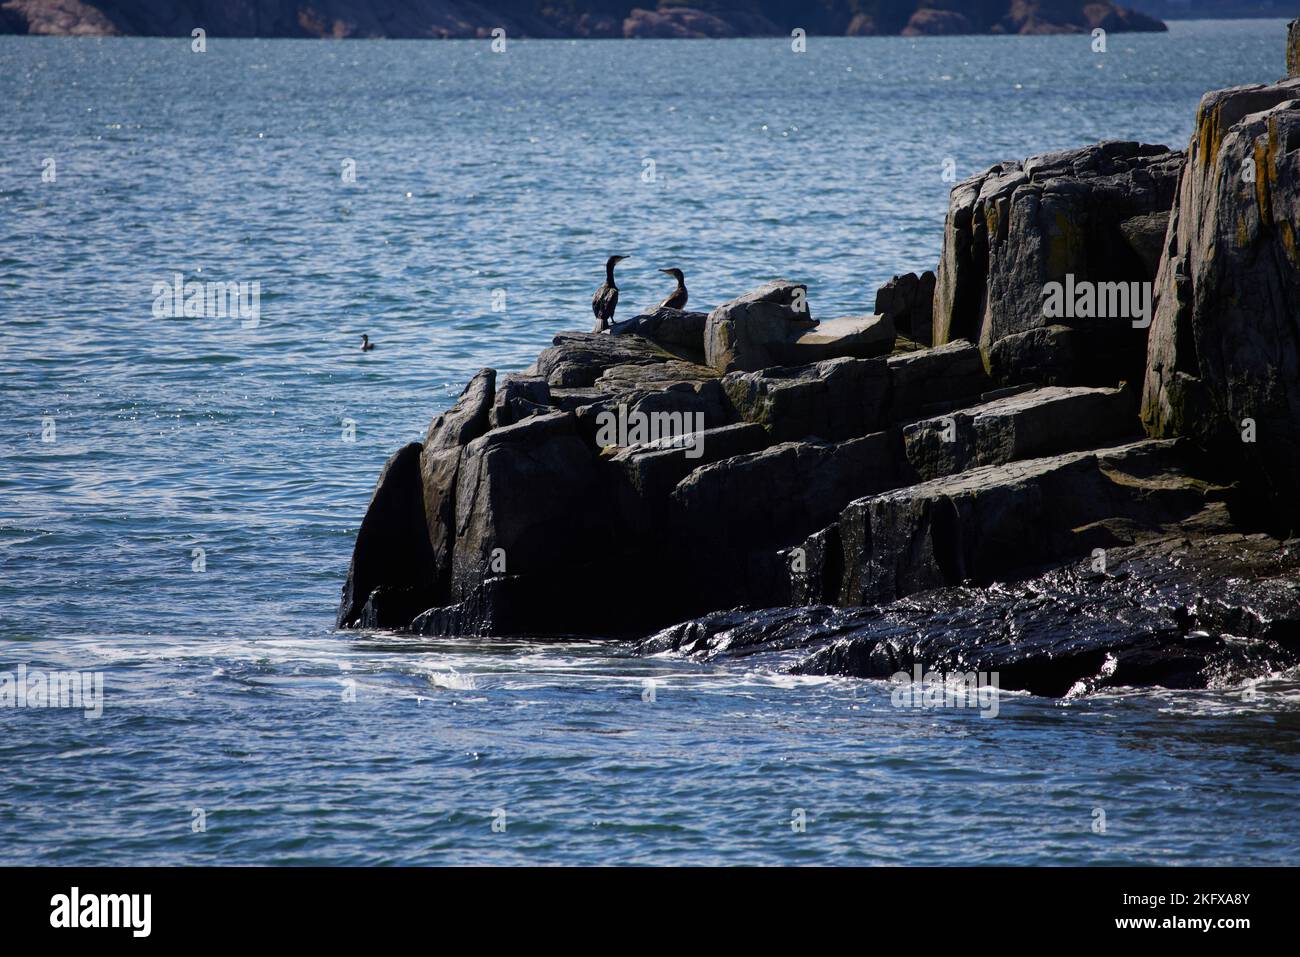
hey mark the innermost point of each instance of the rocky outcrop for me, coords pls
(1223, 367)
(440, 461)
(908, 301)
(995, 522)
(1038, 17)
(675, 23)
(937, 23)
(862, 514)
(422, 19)
(1082, 218)
(392, 550)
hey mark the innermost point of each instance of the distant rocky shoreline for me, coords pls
(464, 19)
(962, 478)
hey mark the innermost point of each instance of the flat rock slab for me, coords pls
(945, 374)
(832, 400)
(857, 337)
(578, 359)
(996, 522)
(1025, 425)
(653, 375)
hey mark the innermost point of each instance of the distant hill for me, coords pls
(563, 18)
(1217, 9)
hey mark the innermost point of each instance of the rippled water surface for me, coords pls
(227, 691)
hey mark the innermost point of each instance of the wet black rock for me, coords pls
(1194, 610)
(392, 547)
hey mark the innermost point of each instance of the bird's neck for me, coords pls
(609, 273)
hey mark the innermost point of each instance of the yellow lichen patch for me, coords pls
(991, 219)
(1162, 482)
(1287, 232)
(1265, 174)
(1208, 135)
(1064, 246)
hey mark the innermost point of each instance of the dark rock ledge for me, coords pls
(1075, 503)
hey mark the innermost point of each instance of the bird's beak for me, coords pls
(665, 270)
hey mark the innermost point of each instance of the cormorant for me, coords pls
(366, 344)
(678, 298)
(606, 298)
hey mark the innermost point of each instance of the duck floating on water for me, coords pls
(366, 344)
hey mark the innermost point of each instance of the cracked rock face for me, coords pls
(1225, 340)
(1089, 213)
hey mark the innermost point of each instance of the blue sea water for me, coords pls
(229, 699)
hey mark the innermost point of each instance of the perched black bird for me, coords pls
(366, 344)
(678, 298)
(605, 301)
